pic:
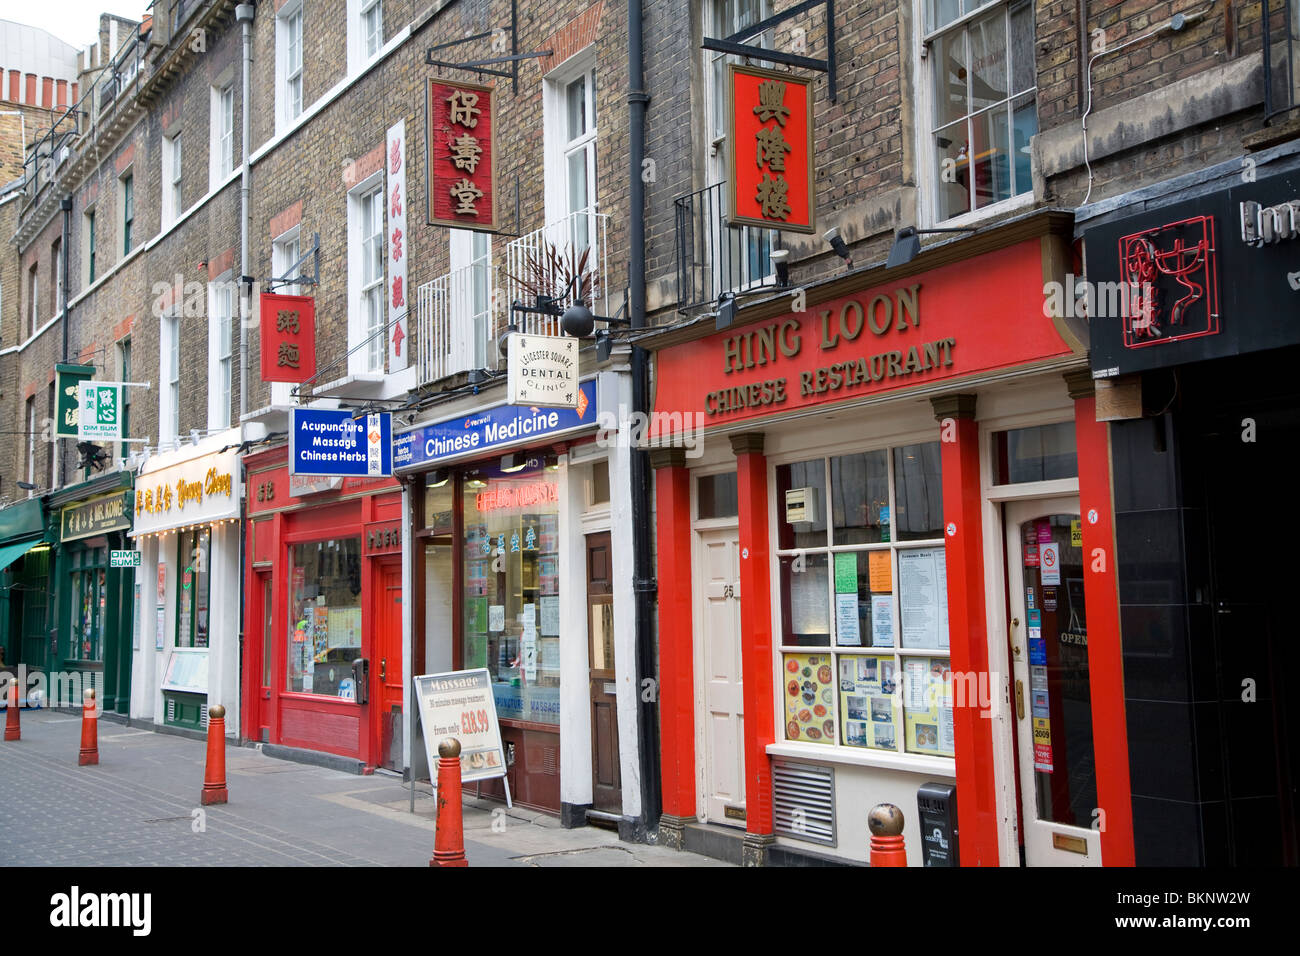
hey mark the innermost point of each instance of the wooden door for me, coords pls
(720, 697)
(606, 782)
(386, 668)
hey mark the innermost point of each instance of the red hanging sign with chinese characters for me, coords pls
(769, 146)
(288, 337)
(462, 155)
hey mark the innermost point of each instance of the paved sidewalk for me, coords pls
(140, 807)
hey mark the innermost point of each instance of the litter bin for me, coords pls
(936, 804)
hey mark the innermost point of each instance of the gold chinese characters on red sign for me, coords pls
(770, 156)
(462, 155)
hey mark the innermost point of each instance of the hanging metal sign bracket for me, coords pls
(486, 66)
(736, 46)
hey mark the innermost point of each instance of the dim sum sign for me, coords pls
(460, 704)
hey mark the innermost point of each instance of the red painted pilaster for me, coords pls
(676, 625)
(967, 625)
(1101, 600)
(755, 628)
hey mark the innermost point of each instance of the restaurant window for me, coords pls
(193, 554)
(716, 496)
(89, 596)
(325, 617)
(864, 604)
(512, 588)
(1041, 453)
(983, 85)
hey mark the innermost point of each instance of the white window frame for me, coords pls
(89, 245)
(169, 394)
(368, 359)
(286, 249)
(122, 220)
(364, 42)
(927, 200)
(34, 294)
(222, 303)
(748, 244)
(557, 145)
(173, 157)
(289, 103)
(56, 264)
(221, 140)
(471, 326)
(838, 752)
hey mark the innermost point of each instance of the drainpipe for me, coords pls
(65, 204)
(642, 560)
(244, 14)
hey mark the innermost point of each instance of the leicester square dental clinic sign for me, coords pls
(494, 429)
(197, 490)
(960, 320)
(327, 442)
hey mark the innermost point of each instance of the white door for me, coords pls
(719, 698)
(1051, 695)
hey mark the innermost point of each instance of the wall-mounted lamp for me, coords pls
(781, 263)
(437, 478)
(838, 245)
(514, 462)
(907, 243)
(579, 321)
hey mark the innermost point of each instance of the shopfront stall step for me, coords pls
(720, 843)
(315, 758)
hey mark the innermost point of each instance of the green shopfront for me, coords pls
(93, 599)
(26, 558)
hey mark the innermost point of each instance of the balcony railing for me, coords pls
(713, 257)
(547, 262)
(1281, 57)
(456, 322)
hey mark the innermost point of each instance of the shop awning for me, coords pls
(9, 553)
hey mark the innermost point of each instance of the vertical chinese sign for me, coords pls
(461, 153)
(68, 401)
(288, 337)
(770, 160)
(398, 247)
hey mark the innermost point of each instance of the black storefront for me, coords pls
(1199, 369)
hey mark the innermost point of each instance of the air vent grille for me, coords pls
(803, 802)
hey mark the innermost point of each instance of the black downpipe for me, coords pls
(643, 566)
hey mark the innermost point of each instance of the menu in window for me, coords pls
(923, 593)
(808, 612)
(867, 702)
(927, 706)
(808, 698)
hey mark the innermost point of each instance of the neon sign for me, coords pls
(517, 496)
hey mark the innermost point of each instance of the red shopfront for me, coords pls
(876, 550)
(323, 612)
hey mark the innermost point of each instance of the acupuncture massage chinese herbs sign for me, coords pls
(330, 442)
(461, 155)
(770, 149)
(959, 320)
(288, 337)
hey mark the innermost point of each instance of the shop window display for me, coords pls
(89, 595)
(862, 576)
(195, 548)
(325, 623)
(511, 580)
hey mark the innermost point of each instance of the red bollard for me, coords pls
(449, 837)
(13, 730)
(89, 731)
(886, 824)
(214, 777)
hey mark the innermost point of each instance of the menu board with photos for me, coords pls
(867, 688)
(809, 695)
(927, 705)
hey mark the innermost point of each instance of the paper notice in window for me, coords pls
(916, 678)
(882, 620)
(496, 617)
(550, 616)
(879, 573)
(847, 631)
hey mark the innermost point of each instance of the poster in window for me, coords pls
(809, 695)
(808, 610)
(867, 702)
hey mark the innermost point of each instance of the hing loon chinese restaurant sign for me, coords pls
(461, 155)
(961, 319)
(770, 154)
